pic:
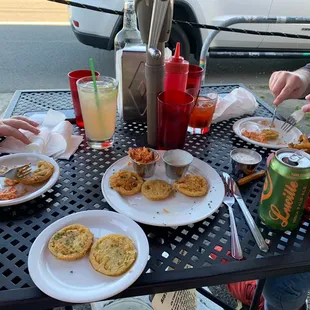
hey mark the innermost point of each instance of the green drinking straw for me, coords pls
(92, 68)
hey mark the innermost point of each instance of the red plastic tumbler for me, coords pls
(194, 78)
(73, 77)
(174, 111)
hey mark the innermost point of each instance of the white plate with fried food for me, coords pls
(44, 175)
(257, 131)
(77, 281)
(175, 210)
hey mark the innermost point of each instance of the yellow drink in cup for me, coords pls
(99, 114)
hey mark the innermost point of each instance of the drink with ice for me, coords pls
(98, 110)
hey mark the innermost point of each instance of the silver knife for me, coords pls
(253, 227)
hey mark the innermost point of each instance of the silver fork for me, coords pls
(18, 172)
(229, 200)
(293, 120)
(274, 116)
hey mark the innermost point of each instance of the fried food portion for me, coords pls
(192, 185)
(8, 194)
(156, 190)
(263, 137)
(71, 242)
(270, 134)
(267, 123)
(142, 155)
(113, 255)
(251, 177)
(304, 144)
(126, 183)
(254, 136)
(9, 182)
(42, 174)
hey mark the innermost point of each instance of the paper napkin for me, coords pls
(237, 103)
(55, 139)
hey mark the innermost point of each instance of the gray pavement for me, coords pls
(35, 57)
(32, 11)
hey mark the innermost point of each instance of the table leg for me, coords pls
(213, 298)
(258, 293)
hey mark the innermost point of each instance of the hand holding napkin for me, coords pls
(237, 103)
(55, 138)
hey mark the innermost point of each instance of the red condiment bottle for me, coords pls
(176, 72)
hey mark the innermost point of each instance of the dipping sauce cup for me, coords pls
(177, 163)
(244, 161)
(145, 170)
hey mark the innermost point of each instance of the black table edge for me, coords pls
(153, 283)
(18, 93)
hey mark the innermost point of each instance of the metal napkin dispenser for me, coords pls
(133, 83)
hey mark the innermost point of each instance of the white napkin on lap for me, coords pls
(55, 138)
(237, 103)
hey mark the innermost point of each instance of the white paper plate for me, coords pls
(33, 191)
(176, 210)
(76, 281)
(284, 139)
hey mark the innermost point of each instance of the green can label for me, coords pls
(284, 195)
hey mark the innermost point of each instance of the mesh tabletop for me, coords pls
(204, 244)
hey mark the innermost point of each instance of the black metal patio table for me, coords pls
(184, 257)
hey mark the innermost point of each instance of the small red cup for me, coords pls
(73, 77)
(194, 79)
(174, 111)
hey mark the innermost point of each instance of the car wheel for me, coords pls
(179, 35)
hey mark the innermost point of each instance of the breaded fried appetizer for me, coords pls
(192, 185)
(156, 190)
(42, 174)
(71, 242)
(126, 183)
(113, 255)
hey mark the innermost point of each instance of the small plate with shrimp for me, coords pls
(257, 131)
(44, 174)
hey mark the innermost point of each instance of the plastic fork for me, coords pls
(229, 201)
(293, 120)
(18, 172)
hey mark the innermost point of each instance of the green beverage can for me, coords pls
(286, 189)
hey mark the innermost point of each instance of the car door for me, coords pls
(92, 22)
(288, 8)
(216, 11)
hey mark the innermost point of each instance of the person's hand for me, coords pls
(289, 85)
(269, 158)
(11, 126)
(306, 107)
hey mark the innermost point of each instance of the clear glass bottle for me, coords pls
(128, 35)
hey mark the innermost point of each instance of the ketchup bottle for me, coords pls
(176, 72)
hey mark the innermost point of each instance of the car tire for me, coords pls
(179, 35)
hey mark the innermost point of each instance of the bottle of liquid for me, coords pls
(128, 35)
(176, 72)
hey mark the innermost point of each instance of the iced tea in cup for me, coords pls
(98, 110)
(202, 114)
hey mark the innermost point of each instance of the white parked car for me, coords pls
(99, 29)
